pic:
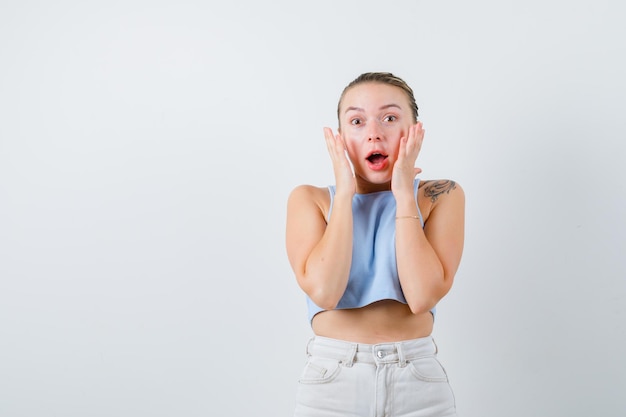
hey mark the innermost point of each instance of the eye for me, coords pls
(390, 118)
(355, 121)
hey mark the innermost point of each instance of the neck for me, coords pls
(365, 187)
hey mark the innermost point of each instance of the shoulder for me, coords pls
(309, 196)
(441, 195)
(306, 191)
(434, 190)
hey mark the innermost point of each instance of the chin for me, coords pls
(377, 178)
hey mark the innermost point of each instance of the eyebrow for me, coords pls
(386, 106)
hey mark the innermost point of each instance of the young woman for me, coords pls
(374, 254)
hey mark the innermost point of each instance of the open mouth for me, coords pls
(376, 158)
(377, 161)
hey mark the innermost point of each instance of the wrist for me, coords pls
(406, 205)
(343, 195)
(403, 193)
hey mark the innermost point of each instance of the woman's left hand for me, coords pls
(404, 170)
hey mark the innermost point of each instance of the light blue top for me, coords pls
(374, 271)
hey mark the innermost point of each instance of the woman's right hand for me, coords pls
(344, 177)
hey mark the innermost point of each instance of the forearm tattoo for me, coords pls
(433, 189)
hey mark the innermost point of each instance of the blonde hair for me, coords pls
(382, 78)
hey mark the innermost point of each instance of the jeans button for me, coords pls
(380, 354)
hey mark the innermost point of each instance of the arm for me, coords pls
(428, 258)
(320, 254)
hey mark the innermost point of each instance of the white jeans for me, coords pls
(402, 379)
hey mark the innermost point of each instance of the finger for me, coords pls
(331, 143)
(412, 137)
(339, 139)
(402, 148)
(419, 133)
(407, 144)
(417, 136)
(329, 136)
(417, 170)
(342, 149)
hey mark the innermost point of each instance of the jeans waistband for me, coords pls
(381, 353)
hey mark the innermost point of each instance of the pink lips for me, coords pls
(377, 161)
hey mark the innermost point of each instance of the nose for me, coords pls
(374, 132)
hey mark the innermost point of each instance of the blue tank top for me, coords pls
(374, 271)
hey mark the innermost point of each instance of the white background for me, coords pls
(147, 149)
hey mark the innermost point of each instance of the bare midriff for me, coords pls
(379, 322)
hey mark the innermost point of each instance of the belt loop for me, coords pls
(436, 347)
(401, 357)
(351, 355)
(308, 346)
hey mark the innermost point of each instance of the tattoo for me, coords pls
(434, 189)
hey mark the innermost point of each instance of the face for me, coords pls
(373, 117)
